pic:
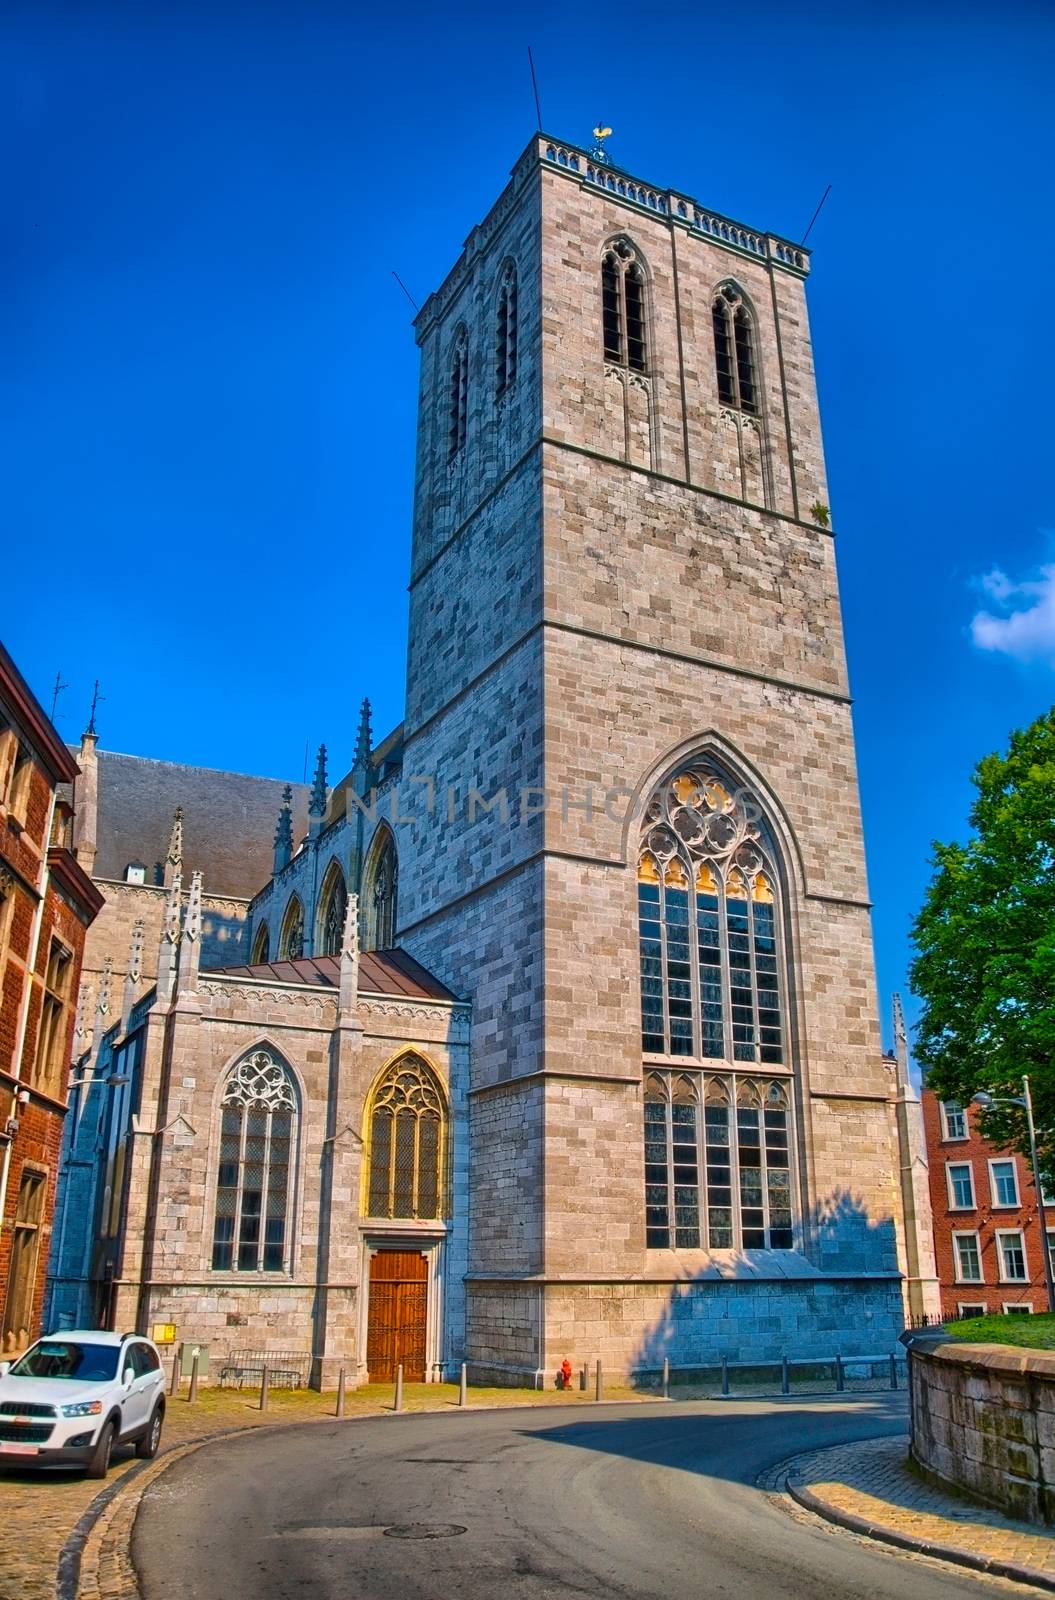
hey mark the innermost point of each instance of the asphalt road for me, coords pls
(636, 1503)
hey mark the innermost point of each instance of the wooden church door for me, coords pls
(397, 1314)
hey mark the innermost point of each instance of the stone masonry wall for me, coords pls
(983, 1419)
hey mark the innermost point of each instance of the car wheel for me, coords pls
(147, 1446)
(99, 1465)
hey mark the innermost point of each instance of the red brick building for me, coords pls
(46, 904)
(987, 1235)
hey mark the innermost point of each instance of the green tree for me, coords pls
(985, 943)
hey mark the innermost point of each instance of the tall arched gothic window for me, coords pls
(734, 350)
(333, 904)
(261, 945)
(458, 396)
(623, 308)
(291, 938)
(407, 1143)
(382, 888)
(717, 1142)
(506, 332)
(255, 1177)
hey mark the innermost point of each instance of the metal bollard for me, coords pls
(598, 1393)
(785, 1375)
(725, 1376)
(399, 1388)
(174, 1380)
(893, 1371)
(263, 1388)
(340, 1392)
(463, 1386)
(193, 1395)
(584, 1377)
(840, 1375)
(666, 1378)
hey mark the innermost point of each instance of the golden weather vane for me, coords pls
(600, 133)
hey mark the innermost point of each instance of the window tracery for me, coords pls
(407, 1140)
(254, 1181)
(734, 350)
(291, 940)
(382, 889)
(333, 908)
(623, 307)
(458, 396)
(506, 333)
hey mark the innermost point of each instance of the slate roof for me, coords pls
(389, 972)
(228, 821)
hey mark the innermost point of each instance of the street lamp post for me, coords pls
(1025, 1101)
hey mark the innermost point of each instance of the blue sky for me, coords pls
(209, 381)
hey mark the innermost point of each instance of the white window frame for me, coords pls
(1011, 1233)
(972, 1308)
(1004, 1205)
(1017, 1308)
(954, 1204)
(953, 1138)
(967, 1234)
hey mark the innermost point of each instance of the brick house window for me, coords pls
(407, 1125)
(717, 1163)
(25, 1251)
(458, 396)
(506, 332)
(968, 1258)
(1017, 1308)
(255, 1176)
(734, 350)
(961, 1185)
(623, 307)
(1003, 1184)
(971, 1308)
(953, 1120)
(707, 922)
(49, 1060)
(1012, 1256)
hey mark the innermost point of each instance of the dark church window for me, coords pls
(407, 1143)
(381, 880)
(734, 351)
(332, 907)
(623, 310)
(291, 938)
(458, 397)
(255, 1177)
(506, 333)
(261, 945)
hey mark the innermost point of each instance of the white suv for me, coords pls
(72, 1397)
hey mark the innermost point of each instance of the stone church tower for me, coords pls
(637, 844)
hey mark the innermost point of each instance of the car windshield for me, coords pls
(61, 1358)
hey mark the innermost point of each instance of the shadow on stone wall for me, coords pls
(843, 1297)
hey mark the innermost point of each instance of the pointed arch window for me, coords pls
(458, 396)
(291, 938)
(255, 1178)
(734, 351)
(261, 945)
(717, 1163)
(332, 908)
(710, 964)
(623, 307)
(382, 888)
(407, 1143)
(507, 333)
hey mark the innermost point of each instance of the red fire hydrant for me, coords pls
(565, 1374)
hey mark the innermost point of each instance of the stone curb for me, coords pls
(905, 1541)
(79, 1542)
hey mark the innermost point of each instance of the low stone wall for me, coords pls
(983, 1420)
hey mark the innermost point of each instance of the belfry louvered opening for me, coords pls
(624, 311)
(734, 351)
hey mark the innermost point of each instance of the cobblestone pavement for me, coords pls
(871, 1488)
(40, 1510)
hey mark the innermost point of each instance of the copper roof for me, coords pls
(390, 972)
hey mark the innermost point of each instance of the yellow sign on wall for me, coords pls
(163, 1333)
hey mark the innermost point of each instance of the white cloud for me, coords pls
(1022, 621)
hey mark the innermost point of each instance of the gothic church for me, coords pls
(553, 1029)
